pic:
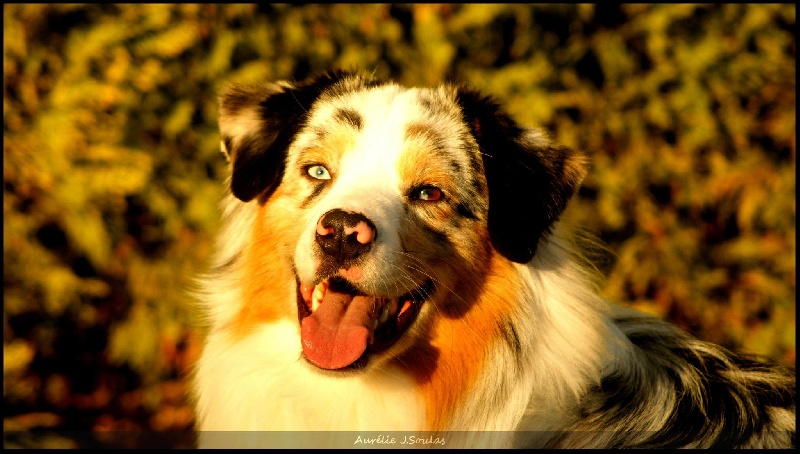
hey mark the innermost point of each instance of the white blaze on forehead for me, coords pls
(380, 143)
(370, 161)
(387, 115)
(366, 179)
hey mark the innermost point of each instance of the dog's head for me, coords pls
(396, 198)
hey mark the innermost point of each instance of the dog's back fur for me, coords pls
(512, 344)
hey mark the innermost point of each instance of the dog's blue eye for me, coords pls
(319, 172)
(428, 193)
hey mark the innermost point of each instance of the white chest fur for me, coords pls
(261, 383)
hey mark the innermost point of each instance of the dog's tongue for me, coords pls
(336, 334)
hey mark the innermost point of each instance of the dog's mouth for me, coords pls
(341, 326)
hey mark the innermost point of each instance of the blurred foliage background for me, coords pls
(112, 172)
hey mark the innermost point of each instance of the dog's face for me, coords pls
(390, 201)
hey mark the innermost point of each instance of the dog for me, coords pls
(393, 269)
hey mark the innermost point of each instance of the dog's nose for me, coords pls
(344, 235)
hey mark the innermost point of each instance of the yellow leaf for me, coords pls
(135, 340)
(179, 119)
(16, 356)
(171, 42)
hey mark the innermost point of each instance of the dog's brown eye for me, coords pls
(319, 172)
(428, 193)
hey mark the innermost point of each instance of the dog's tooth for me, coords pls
(374, 324)
(318, 294)
(384, 314)
(392, 306)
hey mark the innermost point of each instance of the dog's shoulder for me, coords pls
(672, 389)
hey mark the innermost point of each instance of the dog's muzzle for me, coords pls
(340, 325)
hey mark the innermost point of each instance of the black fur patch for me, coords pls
(259, 160)
(709, 393)
(528, 188)
(465, 211)
(425, 132)
(350, 117)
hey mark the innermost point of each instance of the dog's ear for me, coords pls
(530, 179)
(257, 125)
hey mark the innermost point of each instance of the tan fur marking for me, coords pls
(324, 155)
(422, 165)
(266, 274)
(464, 333)
(328, 150)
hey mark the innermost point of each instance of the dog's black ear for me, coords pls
(258, 123)
(530, 179)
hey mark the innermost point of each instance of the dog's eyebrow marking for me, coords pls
(425, 132)
(350, 117)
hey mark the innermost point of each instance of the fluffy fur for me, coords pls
(445, 203)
